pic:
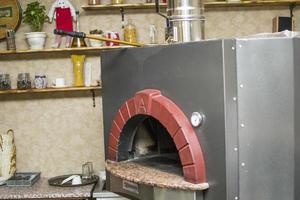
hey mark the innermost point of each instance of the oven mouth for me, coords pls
(145, 141)
(150, 125)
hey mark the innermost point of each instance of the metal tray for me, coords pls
(56, 181)
(23, 179)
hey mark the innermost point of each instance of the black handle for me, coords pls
(72, 34)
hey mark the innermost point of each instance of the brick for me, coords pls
(115, 130)
(131, 107)
(112, 154)
(193, 175)
(113, 142)
(125, 112)
(180, 139)
(119, 121)
(186, 156)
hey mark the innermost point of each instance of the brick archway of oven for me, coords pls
(151, 102)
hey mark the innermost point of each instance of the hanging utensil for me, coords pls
(83, 35)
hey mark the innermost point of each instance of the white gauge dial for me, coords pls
(196, 119)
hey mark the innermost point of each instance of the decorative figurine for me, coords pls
(64, 13)
(7, 155)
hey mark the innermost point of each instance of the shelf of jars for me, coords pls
(217, 4)
(51, 90)
(85, 50)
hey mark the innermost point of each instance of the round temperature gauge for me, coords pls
(196, 119)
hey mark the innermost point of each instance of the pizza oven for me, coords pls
(204, 120)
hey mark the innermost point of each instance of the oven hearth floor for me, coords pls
(164, 162)
(158, 176)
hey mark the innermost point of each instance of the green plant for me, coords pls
(35, 15)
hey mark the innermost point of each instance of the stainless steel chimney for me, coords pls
(185, 19)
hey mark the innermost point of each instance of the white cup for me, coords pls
(76, 180)
(59, 82)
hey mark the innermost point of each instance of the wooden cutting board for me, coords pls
(10, 16)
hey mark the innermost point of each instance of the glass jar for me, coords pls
(24, 81)
(130, 32)
(5, 83)
(117, 1)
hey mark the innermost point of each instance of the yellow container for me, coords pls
(78, 66)
(130, 32)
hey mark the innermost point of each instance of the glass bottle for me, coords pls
(78, 64)
(130, 32)
(78, 42)
(152, 34)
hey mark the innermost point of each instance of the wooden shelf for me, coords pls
(217, 4)
(125, 6)
(49, 90)
(61, 51)
(224, 4)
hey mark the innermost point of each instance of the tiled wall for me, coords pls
(56, 133)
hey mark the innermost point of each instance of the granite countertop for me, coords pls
(137, 173)
(42, 190)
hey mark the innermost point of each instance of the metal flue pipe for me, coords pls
(185, 18)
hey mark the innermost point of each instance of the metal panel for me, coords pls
(297, 116)
(191, 75)
(231, 132)
(144, 192)
(164, 193)
(265, 113)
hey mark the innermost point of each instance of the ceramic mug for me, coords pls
(59, 82)
(40, 81)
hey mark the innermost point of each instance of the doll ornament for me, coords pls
(7, 155)
(63, 12)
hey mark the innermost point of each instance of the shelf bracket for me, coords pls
(94, 99)
(122, 16)
(291, 7)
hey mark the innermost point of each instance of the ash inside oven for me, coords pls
(146, 141)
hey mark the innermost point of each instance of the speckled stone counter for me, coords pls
(146, 175)
(42, 190)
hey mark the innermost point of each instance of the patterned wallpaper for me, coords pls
(57, 133)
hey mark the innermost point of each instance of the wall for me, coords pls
(56, 133)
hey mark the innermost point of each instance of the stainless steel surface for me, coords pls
(187, 30)
(297, 117)
(231, 122)
(266, 116)
(186, 18)
(248, 91)
(164, 194)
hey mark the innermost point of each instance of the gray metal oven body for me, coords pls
(249, 92)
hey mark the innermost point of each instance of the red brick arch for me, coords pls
(153, 103)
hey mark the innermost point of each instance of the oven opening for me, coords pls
(144, 140)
